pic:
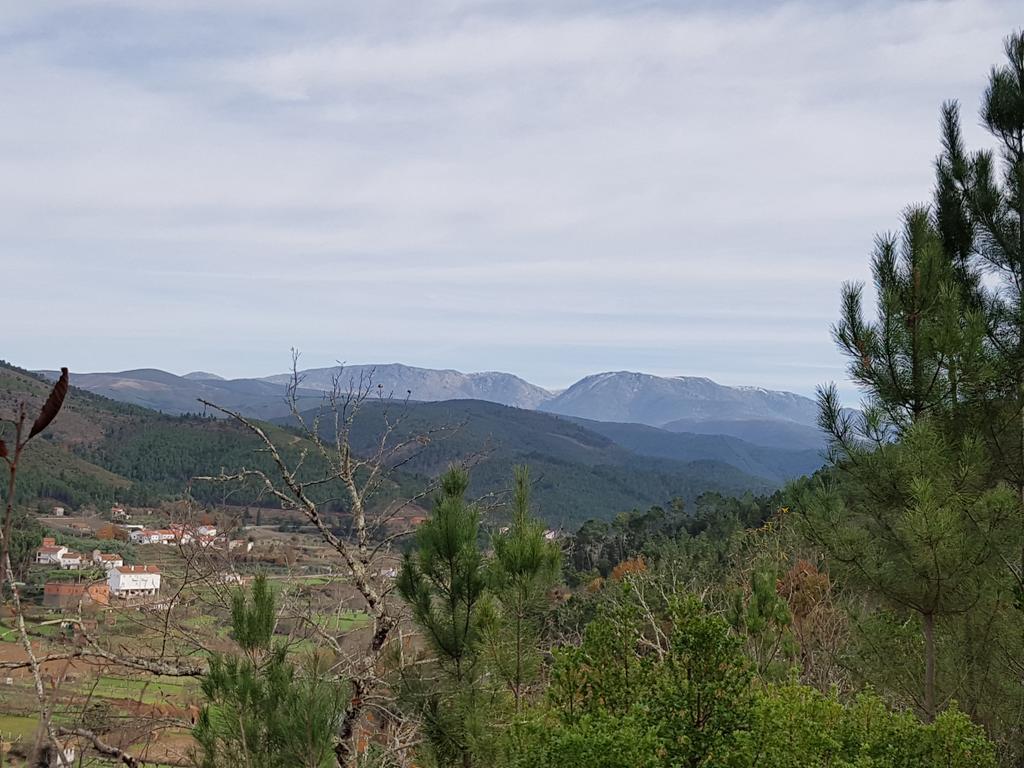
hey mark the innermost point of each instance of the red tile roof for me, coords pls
(138, 569)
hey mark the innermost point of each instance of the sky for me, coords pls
(547, 188)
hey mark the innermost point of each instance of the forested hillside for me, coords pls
(578, 473)
(103, 451)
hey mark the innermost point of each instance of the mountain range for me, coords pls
(685, 404)
(100, 450)
(608, 443)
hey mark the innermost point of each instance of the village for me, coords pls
(152, 588)
(125, 581)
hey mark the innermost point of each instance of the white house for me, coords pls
(202, 535)
(150, 536)
(106, 561)
(50, 553)
(71, 561)
(134, 580)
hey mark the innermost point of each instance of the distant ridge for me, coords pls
(428, 384)
(203, 376)
(165, 392)
(102, 451)
(691, 404)
(641, 398)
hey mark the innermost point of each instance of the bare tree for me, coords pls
(322, 461)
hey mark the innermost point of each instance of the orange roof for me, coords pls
(138, 569)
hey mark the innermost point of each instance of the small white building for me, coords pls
(151, 536)
(202, 535)
(71, 561)
(50, 553)
(134, 581)
(106, 561)
(57, 511)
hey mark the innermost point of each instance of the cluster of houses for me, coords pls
(201, 535)
(122, 581)
(52, 553)
(125, 581)
(185, 535)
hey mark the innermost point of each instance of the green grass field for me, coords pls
(341, 622)
(148, 691)
(14, 727)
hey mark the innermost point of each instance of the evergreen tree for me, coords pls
(979, 203)
(908, 513)
(524, 569)
(443, 580)
(260, 711)
(914, 523)
(912, 359)
(761, 616)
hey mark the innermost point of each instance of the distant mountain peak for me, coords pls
(429, 384)
(643, 398)
(203, 376)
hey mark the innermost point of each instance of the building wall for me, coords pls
(133, 583)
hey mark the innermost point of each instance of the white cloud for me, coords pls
(457, 184)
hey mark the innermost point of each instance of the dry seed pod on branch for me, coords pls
(52, 406)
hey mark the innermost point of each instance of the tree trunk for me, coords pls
(929, 666)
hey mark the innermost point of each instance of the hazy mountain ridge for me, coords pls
(768, 433)
(101, 451)
(775, 464)
(171, 394)
(642, 398)
(427, 384)
(689, 404)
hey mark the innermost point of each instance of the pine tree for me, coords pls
(524, 569)
(261, 711)
(979, 204)
(915, 524)
(912, 360)
(908, 513)
(443, 581)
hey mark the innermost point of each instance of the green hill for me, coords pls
(99, 451)
(776, 465)
(578, 473)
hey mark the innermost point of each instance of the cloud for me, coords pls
(644, 186)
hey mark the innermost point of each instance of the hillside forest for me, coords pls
(583, 595)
